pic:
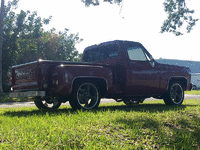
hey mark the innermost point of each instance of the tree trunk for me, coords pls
(1, 41)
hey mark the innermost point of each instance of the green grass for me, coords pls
(151, 125)
(193, 92)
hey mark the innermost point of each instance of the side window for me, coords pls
(100, 53)
(110, 50)
(136, 53)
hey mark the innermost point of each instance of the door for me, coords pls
(142, 74)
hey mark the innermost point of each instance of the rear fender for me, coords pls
(101, 82)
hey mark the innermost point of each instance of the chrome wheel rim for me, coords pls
(87, 96)
(176, 93)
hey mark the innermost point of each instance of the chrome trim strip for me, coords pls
(25, 64)
(25, 84)
(67, 65)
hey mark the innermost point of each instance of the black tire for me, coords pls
(45, 105)
(175, 94)
(194, 87)
(134, 101)
(85, 95)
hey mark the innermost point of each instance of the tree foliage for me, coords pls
(178, 14)
(58, 46)
(96, 2)
(25, 40)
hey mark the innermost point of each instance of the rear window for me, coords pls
(101, 53)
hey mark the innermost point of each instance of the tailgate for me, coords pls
(26, 76)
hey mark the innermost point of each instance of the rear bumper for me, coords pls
(27, 94)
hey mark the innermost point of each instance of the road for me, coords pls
(31, 104)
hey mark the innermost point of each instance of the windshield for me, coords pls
(136, 52)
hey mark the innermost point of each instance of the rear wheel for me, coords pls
(43, 104)
(175, 94)
(85, 95)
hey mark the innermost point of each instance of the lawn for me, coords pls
(193, 92)
(151, 125)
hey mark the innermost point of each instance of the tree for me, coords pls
(1, 41)
(58, 46)
(28, 29)
(25, 40)
(96, 2)
(20, 33)
(79, 57)
(178, 14)
(177, 11)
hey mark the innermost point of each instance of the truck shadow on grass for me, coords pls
(155, 128)
(151, 108)
(181, 133)
(143, 108)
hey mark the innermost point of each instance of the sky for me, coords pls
(138, 20)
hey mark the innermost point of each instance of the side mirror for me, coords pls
(152, 63)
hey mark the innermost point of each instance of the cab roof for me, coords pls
(108, 43)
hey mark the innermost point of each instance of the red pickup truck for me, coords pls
(121, 70)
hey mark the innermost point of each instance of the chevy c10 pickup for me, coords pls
(121, 70)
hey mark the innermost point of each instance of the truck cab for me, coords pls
(135, 69)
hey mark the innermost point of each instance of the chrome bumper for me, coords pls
(27, 94)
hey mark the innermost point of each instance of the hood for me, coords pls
(175, 68)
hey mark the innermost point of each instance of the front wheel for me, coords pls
(85, 95)
(175, 94)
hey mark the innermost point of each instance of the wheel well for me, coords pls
(101, 83)
(183, 81)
